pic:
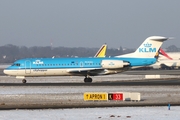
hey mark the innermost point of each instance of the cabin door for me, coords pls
(81, 64)
(27, 67)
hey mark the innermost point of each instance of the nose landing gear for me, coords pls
(24, 81)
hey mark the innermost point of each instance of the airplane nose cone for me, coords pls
(6, 71)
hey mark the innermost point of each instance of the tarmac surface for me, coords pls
(67, 92)
(145, 82)
(152, 72)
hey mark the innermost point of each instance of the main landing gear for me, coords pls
(24, 81)
(87, 80)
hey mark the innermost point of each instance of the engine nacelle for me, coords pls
(113, 64)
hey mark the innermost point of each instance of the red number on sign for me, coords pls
(117, 96)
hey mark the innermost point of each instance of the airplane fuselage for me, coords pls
(73, 66)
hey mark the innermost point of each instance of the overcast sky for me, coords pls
(88, 23)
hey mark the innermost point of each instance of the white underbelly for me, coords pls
(39, 72)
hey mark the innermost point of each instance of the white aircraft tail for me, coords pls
(148, 48)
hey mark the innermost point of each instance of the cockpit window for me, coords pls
(16, 64)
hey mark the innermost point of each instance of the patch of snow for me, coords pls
(114, 113)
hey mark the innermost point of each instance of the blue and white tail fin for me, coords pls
(148, 48)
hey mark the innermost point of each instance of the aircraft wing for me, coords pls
(85, 71)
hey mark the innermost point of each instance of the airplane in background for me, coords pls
(102, 51)
(173, 55)
(167, 60)
(162, 53)
(36, 67)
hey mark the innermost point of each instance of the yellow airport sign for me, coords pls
(95, 96)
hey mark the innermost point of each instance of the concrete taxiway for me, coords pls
(153, 72)
(67, 92)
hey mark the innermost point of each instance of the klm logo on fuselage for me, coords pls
(111, 63)
(38, 62)
(147, 48)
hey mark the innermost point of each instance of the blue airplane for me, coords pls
(36, 67)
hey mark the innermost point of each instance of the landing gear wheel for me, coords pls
(85, 80)
(88, 80)
(24, 81)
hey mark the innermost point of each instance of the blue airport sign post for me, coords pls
(169, 105)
